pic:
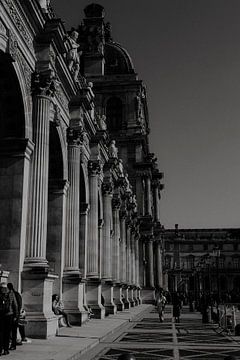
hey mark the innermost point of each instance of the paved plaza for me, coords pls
(136, 331)
(149, 339)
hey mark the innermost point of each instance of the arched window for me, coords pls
(114, 114)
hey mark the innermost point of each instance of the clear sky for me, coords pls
(188, 54)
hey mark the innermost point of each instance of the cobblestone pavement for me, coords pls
(149, 339)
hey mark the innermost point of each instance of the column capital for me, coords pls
(107, 188)
(116, 202)
(94, 167)
(44, 83)
(74, 136)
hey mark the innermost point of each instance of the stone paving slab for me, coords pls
(75, 341)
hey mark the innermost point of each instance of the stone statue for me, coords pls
(113, 150)
(127, 184)
(73, 56)
(102, 122)
(120, 168)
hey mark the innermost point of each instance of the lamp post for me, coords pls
(216, 254)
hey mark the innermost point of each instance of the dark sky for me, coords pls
(188, 54)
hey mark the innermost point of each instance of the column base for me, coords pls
(130, 297)
(125, 298)
(107, 293)
(41, 327)
(117, 293)
(93, 298)
(37, 299)
(73, 297)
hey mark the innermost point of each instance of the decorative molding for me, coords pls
(18, 22)
(62, 98)
(27, 71)
(12, 45)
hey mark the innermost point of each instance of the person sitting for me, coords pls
(58, 308)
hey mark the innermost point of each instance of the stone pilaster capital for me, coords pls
(44, 83)
(116, 202)
(107, 188)
(73, 136)
(94, 167)
(123, 213)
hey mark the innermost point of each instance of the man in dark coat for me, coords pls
(15, 298)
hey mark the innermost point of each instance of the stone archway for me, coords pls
(15, 153)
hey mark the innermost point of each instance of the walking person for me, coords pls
(160, 304)
(8, 315)
(16, 299)
(177, 306)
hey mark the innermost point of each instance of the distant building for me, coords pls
(197, 260)
(79, 187)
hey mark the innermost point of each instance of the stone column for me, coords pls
(92, 253)
(159, 265)
(73, 205)
(37, 282)
(72, 287)
(84, 209)
(156, 201)
(150, 263)
(107, 286)
(93, 287)
(38, 201)
(107, 245)
(117, 290)
(137, 269)
(149, 198)
(128, 254)
(116, 238)
(123, 271)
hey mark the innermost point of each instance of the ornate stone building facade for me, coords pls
(79, 187)
(199, 260)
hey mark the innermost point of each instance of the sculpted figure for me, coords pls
(113, 151)
(73, 56)
(127, 183)
(120, 168)
(102, 122)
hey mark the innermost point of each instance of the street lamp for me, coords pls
(216, 253)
